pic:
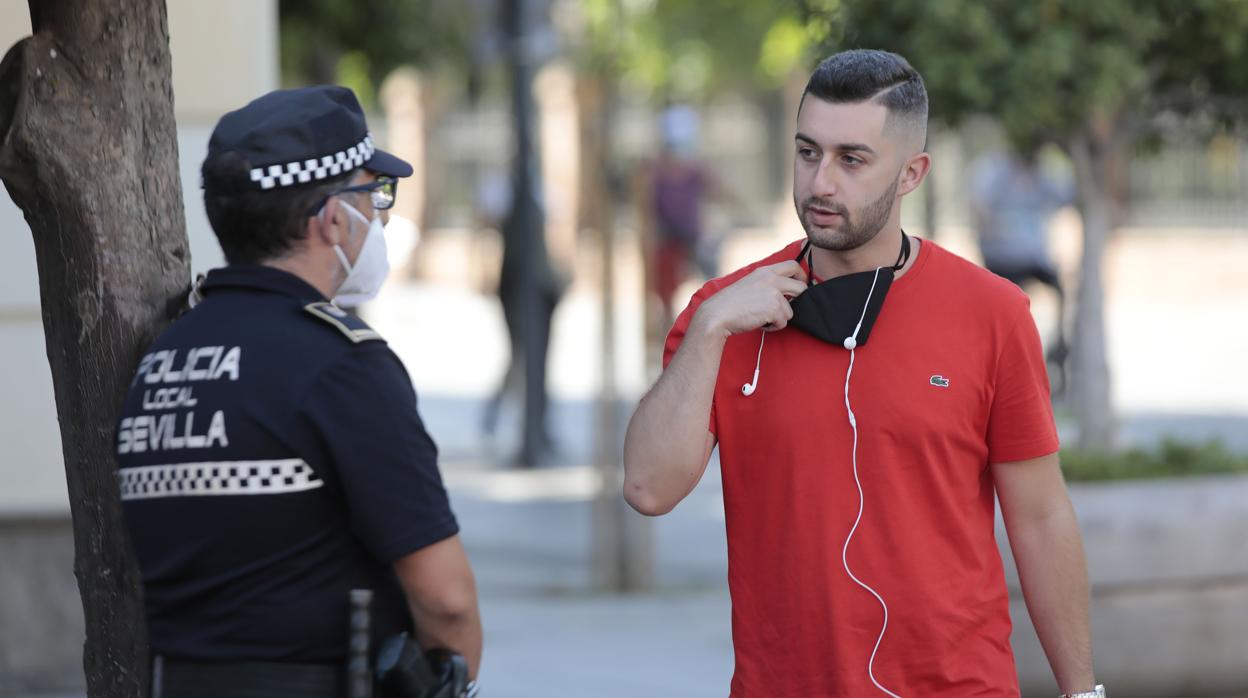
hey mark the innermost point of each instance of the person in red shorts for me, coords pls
(870, 393)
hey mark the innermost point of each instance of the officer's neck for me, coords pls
(321, 271)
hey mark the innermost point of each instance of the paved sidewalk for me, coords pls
(548, 632)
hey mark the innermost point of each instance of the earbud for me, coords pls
(850, 343)
(748, 389)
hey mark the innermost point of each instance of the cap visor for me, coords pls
(384, 163)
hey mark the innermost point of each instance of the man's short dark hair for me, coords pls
(862, 75)
(254, 225)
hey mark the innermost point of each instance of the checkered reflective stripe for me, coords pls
(220, 478)
(303, 171)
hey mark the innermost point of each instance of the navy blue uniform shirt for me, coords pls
(272, 459)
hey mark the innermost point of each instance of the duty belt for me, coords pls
(175, 678)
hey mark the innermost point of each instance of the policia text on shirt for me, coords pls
(172, 431)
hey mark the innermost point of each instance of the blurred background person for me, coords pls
(494, 201)
(673, 188)
(1012, 200)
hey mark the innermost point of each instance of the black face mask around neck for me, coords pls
(843, 310)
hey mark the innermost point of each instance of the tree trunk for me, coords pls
(88, 152)
(1090, 379)
(623, 550)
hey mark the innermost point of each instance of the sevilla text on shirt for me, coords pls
(173, 431)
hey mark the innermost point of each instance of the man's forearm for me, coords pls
(665, 446)
(458, 631)
(442, 598)
(1053, 572)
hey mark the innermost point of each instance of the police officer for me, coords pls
(271, 455)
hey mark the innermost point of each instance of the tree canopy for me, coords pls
(1050, 69)
(689, 49)
(358, 42)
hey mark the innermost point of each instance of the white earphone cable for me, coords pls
(853, 422)
(759, 361)
(862, 318)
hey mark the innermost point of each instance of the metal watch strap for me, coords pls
(1098, 692)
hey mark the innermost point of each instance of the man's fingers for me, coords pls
(790, 269)
(791, 288)
(778, 317)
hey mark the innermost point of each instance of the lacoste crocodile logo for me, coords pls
(939, 381)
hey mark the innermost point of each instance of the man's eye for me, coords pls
(806, 152)
(851, 160)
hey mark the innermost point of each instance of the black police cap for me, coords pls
(299, 136)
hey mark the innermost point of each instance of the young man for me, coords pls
(864, 427)
(271, 456)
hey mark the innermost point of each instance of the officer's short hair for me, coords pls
(861, 75)
(254, 225)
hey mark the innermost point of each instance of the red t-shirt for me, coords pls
(800, 625)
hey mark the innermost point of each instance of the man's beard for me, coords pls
(853, 231)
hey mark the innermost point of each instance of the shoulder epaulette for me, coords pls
(354, 328)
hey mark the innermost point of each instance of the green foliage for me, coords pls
(785, 46)
(352, 71)
(358, 42)
(687, 49)
(1047, 68)
(1172, 458)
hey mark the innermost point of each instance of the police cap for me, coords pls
(299, 136)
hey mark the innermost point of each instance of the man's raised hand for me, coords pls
(758, 299)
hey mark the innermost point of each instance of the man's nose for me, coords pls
(824, 184)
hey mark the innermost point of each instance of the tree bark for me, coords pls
(623, 548)
(88, 151)
(1090, 378)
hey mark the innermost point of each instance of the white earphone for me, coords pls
(850, 343)
(749, 388)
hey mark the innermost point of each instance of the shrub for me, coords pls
(1171, 458)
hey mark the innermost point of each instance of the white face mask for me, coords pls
(365, 277)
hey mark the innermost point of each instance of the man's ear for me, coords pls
(913, 173)
(328, 224)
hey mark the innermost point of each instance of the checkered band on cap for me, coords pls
(304, 171)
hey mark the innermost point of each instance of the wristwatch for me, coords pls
(1098, 692)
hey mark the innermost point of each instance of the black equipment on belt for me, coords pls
(404, 671)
